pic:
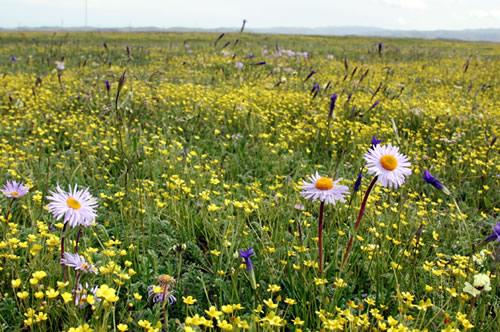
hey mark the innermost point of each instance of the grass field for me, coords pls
(197, 150)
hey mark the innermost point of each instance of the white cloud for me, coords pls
(486, 14)
(401, 21)
(405, 4)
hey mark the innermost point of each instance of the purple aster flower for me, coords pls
(357, 184)
(246, 254)
(333, 100)
(78, 263)
(239, 65)
(495, 235)
(81, 293)
(161, 296)
(14, 189)
(164, 291)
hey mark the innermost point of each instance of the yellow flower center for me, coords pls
(324, 183)
(389, 162)
(14, 194)
(73, 203)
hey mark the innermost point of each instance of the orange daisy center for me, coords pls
(324, 183)
(73, 203)
(14, 194)
(389, 162)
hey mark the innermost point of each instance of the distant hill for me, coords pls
(490, 35)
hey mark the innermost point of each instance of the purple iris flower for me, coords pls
(333, 100)
(375, 141)
(310, 75)
(432, 180)
(357, 184)
(495, 235)
(315, 87)
(375, 104)
(246, 254)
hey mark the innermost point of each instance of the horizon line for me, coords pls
(82, 27)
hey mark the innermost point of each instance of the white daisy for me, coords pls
(388, 164)
(14, 189)
(324, 189)
(76, 206)
(77, 262)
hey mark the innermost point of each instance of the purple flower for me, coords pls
(495, 235)
(162, 296)
(380, 48)
(108, 85)
(333, 100)
(81, 293)
(435, 182)
(310, 75)
(164, 291)
(375, 104)
(375, 141)
(239, 65)
(14, 189)
(432, 180)
(315, 87)
(13, 58)
(246, 254)
(260, 63)
(357, 184)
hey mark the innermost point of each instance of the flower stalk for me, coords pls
(320, 237)
(358, 219)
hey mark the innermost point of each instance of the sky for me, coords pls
(391, 14)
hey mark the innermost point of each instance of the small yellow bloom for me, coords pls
(189, 300)
(51, 293)
(271, 304)
(106, 293)
(122, 327)
(212, 312)
(273, 288)
(91, 299)
(16, 283)
(22, 295)
(225, 326)
(39, 275)
(67, 297)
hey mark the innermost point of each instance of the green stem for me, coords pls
(358, 220)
